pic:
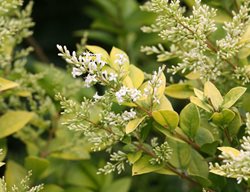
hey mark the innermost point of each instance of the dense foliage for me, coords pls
(187, 119)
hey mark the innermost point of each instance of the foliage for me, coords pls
(135, 121)
(31, 132)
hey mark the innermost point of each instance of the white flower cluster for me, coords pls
(127, 94)
(89, 63)
(230, 45)
(118, 160)
(162, 154)
(154, 84)
(237, 165)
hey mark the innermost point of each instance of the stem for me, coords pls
(190, 142)
(38, 49)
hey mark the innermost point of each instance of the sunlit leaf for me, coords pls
(133, 124)
(12, 121)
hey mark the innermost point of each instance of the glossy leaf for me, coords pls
(6, 84)
(201, 104)
(235, 124)
(133, 124)
(163, 105)
(136, 75)
(224, 117)
(115, 56)
(213, 94)
(230, 151)
(179, 91)
(180, 157)
(143, 166)
(232, 96)
(166, 118)
(98, 50)
(133, 157)
(12, 121)
(190, 120)
(203, 136)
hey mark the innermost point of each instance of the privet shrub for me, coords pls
(205, 143)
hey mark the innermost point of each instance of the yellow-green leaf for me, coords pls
(213, 94)
(223, 117)
(133, 124)
(230, 151)
(6, 84)
(98, 50)
(133, 157)
(143, 166)
(12, 121)
(116, 56)
(179, 91)
(201, 104)
(166, 118)
(232, 96)
(136, 75)
(164, 104)
(193, 75)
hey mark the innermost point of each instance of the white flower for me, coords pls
(76, 72)
(128, 115)
(121, 93)
(112, 77)
(135, 94)
(121, 59)
(97, 97)
(90, 79)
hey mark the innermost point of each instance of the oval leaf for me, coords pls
(119, 59)
(212, 93)
(133, 124)
(6, 84)
(143, 166)
(166, 118)
(232, 96)
(190, 120)
(136, 75)
(12, 121)
(98, 50)
(179, 91)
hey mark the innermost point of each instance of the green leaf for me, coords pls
(166, 118)
(12, 121)
(210, 148)
(120, 185)
(232, 96)
(198, 165)
(98, 50)
(37, 165)
(213, 94)
(133, 124)
(179, 91)
(114, 56)
(14, 173)
(203, 136)
(224, 117)
(235, 124)
(136, 75)
(6, 84)
(143, 166)
(181, 152)
(201, 104)
(190, 120)
(52, 187)
(133, 157)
